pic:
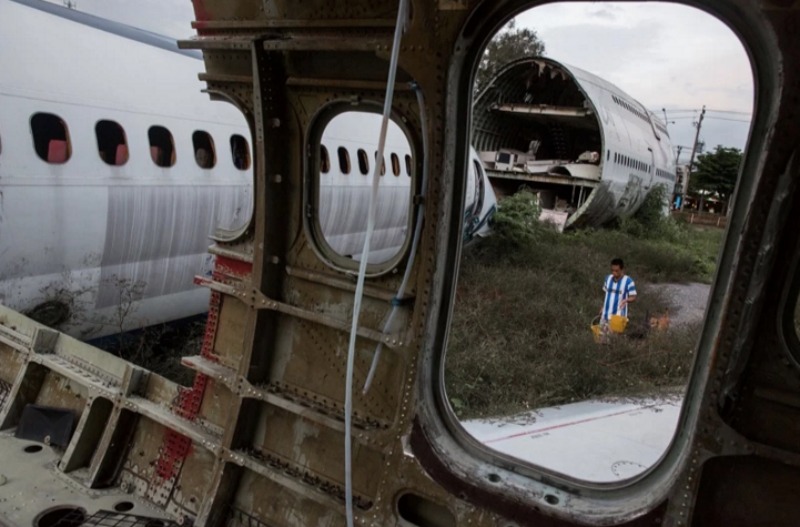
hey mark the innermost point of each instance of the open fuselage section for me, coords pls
(591, 151)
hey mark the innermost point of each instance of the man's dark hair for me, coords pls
(619, 262)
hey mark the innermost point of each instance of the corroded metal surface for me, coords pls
(258, 438)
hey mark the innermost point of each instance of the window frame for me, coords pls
(312, 173)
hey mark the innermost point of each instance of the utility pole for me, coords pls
(694, 150)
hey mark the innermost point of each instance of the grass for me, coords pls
(520, 337)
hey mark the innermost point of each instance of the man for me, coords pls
(620, 291)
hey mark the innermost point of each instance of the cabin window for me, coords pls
(363, 162)
(324, 160)
(383, 164)
(395, 164)
(204, 153)
(112, 145)
(51, 138)
(344, 160)
(342, 203)
(408, 165)
(162, 146)
(554, 326)
(240, 152)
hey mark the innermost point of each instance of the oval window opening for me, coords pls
(240, 152)
(51, 138)
(204, 154)
(343, 201)
(162, 147)
(112, 146)
(574, 333)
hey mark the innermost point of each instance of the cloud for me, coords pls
(663, 55)
(605, 14)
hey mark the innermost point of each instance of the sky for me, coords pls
(663, 55)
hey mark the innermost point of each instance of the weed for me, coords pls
(520, 336)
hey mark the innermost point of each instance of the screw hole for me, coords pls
(32, 449)
(123, 506)
(494, 478)
(551, 499)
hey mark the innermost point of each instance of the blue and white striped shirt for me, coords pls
(616, 291)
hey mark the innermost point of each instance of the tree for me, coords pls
(715, 173)
(509, 44)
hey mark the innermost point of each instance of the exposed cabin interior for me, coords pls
(534, 127)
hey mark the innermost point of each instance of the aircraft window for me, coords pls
(363, 161)
(111, 142)
(342, 205)
(51, 138)
(240, 152)
(325, 161)
(344, 160)
(204, 153)
(408, 165)
(533, 402)
(383, 164)
(395, 164)
(162, 147)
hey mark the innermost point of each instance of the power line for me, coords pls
(695, 110)
(726, 119)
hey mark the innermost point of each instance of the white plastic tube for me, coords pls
(402, 17)
(387, 327)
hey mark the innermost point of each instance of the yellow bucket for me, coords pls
(617, 323)
(597, 331)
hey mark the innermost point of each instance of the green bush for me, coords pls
(517, 218)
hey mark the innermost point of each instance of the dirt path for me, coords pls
(687, 301)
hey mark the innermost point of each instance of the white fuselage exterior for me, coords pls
(349, 144)
(118, 245)
(637, 154)
(112, 248)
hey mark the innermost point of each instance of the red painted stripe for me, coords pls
(230, 266)
(564, 425)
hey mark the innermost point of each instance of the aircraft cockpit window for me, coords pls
(51, 138)
(363, 162)
(240, 152)
(162, 146)
(544, 362)
(204, 152)
(342, 202)
(112, 145)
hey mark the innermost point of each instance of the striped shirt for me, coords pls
(616, 291)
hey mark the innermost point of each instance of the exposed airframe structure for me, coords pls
(257, 439)
(590, 150)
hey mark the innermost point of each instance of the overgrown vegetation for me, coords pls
(527, 296)
(160, 348)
